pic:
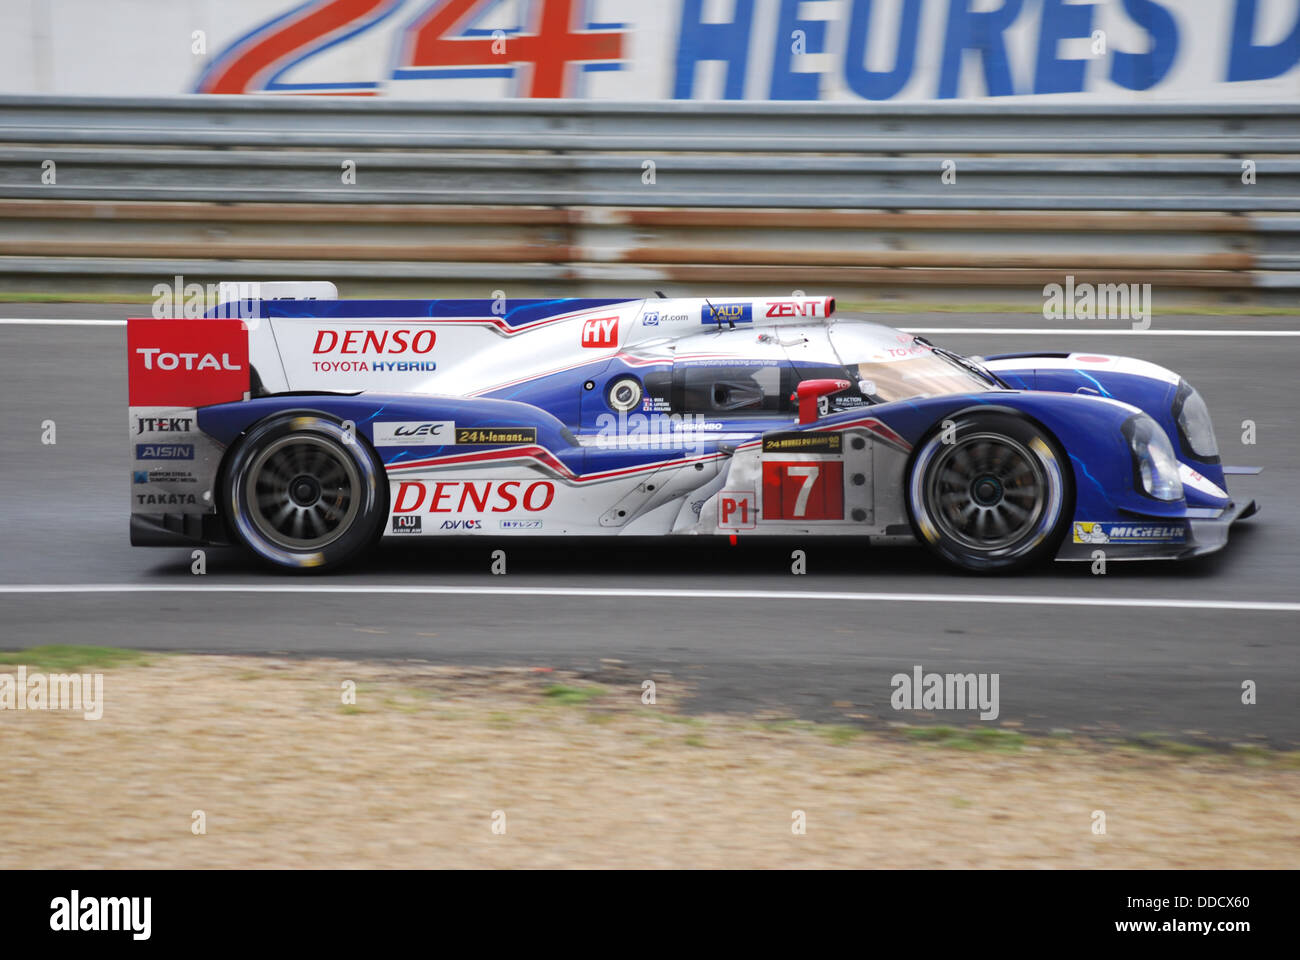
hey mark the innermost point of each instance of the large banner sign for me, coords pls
(1107, 50)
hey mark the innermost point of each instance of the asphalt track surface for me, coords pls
(1147, 648)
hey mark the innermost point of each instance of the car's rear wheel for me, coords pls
(991, 492)
(301, 492)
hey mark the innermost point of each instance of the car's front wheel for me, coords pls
(990, 492)
(303, 493)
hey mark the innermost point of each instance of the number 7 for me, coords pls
(809, 475)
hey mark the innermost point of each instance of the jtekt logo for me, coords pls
(163, 424)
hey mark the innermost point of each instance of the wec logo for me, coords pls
(414, 432)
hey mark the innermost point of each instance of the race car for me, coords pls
(307, 428)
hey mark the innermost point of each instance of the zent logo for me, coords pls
(795, 308)
(600, 332)
(186, 363)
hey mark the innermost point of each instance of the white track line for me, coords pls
(1126, 332)
(996, 331)
(632, 593)
(37, 322)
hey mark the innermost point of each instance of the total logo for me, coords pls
(186, 363)
(600, 332)
(156, 359)
(414, 433)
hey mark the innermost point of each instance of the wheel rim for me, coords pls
(987, 491)
(301, 492)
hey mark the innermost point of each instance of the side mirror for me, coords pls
(811, 396)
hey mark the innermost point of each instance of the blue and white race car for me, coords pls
(307, 429)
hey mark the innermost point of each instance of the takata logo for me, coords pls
(186, 363)
(415, 433)
(600, 332)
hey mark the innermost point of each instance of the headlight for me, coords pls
(1195, 431)
(1155, 468)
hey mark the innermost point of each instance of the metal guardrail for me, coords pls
(979, 183)
(556, 192)
(963, 127)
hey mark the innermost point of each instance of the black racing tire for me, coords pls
(302, 493)
(993, 493)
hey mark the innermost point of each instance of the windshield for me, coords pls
(926, 374)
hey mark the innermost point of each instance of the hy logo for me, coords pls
(600, 332)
